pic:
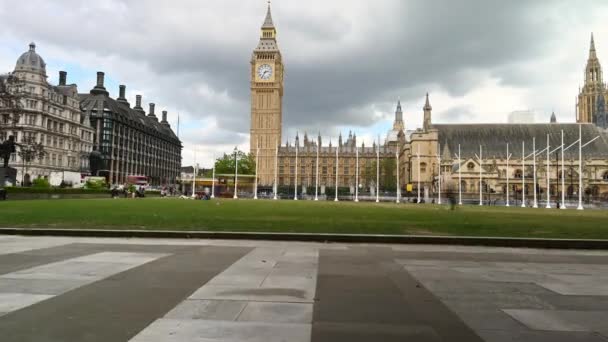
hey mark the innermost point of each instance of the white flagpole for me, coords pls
(580, 167)
(357, 174)
(418, 155)
(508, 157)
(317, 176)
(213, 179)
(236, 173)
(548, 173)
(378, 172)
(459, 177)
(563, 206)
(535, 205)
(295, 185)
(398, 190)
(276, 167)
(439, 164)
(337, 164)
(523, 174)
(255, 190)
(194, 177)
(480, 176)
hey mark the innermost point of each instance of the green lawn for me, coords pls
(304, 216)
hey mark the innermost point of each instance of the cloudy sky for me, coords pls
(347, 61)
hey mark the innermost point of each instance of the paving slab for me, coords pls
(15, 301)
(119, 307)
(170, 330)
(277, 312)
(215, 310)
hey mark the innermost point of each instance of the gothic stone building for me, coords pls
(421, 153)
(51, 116)
(591, 104)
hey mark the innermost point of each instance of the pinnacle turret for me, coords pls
(427, 104)
(268, 23)
(592, 53)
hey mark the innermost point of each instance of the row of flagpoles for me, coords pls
(458, 156)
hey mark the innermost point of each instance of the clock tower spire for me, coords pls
(266, 79)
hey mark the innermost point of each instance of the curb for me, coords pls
(324, 238)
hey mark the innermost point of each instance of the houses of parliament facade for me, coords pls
(428, 155)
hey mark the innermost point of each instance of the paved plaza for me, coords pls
(146, 290)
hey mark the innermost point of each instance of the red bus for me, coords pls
(138, 180)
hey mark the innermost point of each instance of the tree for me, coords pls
(388, 167)
(11, 102)
(30, 150)
(246, 163)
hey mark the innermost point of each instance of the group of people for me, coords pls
(138, 192)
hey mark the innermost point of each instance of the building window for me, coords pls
(422, 167)
(605, 176)
(517, 174)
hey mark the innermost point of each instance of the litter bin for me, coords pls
(2, 194)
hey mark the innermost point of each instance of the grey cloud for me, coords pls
(458, 114)
(339, 61)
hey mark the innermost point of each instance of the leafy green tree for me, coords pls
(246, 163)
(388, 169)
(29, 150)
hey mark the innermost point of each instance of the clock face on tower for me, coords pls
(264, 71)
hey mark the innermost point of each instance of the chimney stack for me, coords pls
(151, 113)
(121, 95)
(62, 78)
(138, 105)
(164, 122)
(99, 88)
(100, 77)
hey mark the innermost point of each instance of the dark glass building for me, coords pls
(127, 142)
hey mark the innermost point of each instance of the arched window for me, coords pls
(605, 176)
(471, 166)
(518, 174)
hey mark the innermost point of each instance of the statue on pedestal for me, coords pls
(8, 175)
(6, 149)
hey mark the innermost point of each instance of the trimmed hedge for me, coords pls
(27, 190)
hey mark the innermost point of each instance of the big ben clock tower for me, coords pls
(266, 100)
